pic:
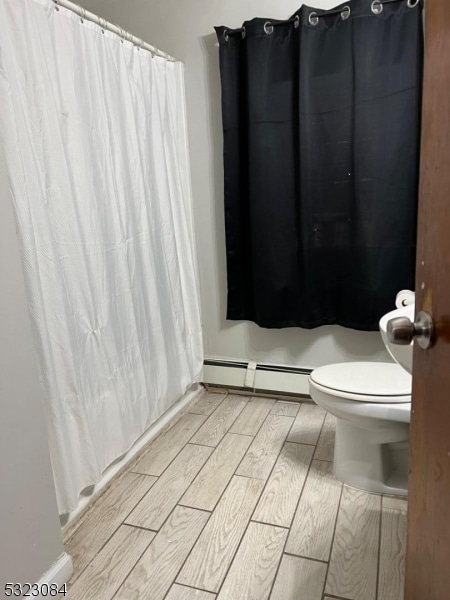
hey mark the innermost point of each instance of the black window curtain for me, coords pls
(321, 120)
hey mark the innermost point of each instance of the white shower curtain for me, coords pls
(95, 138)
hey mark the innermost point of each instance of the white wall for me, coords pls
(184, 28)
(30, 534)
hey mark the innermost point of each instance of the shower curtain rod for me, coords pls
(104, 24)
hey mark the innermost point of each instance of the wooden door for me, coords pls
(428, 546)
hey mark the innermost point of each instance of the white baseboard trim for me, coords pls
(60, 573)
(68, 519)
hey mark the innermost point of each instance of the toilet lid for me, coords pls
(365, 379)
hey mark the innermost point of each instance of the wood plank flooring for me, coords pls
(308, 424)
(282, 492)
(253, 416)
(325, 445)
(108, 513)
(158, 503)
(237, 501)
(353, 563)
(166, 447)
(111, 566)
(299, 579)
(220, 421)
(210, 483)
(314, 522)
(265, 448)
(212, 555)
(392, 550)
(255, 564)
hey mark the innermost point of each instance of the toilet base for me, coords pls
(374, 459)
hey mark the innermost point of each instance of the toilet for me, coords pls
(372, 405)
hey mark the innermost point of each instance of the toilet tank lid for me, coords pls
(365, 378)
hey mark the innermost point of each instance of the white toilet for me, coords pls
(372, 404)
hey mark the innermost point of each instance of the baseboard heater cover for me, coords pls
(257, 377)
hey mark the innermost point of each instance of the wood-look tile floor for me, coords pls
(237, 501)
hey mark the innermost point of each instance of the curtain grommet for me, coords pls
(313, 19)
(268, 28)
(377, 7)
(345, 13)
(412, 3)
(226, 37)
(102, 23)
(243, 32)
(82, 13)
(297, 22)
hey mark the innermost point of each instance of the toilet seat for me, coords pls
(386, 383)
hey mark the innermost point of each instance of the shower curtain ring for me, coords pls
(225, 35)
(268, 28)
(83, 14)
(244, 33)
(412, 3)
(345, 13)
(313, 19)
(377, 7)
(56, 4)
(297, 22)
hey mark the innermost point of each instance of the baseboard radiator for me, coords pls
(257, 378)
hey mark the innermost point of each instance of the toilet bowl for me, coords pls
(372, 405)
